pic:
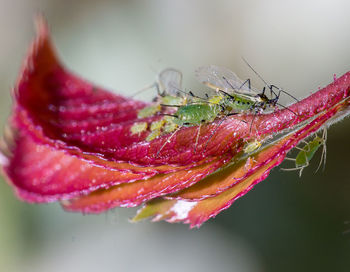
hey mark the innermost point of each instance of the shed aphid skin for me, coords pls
(307, 152)
(167, 84)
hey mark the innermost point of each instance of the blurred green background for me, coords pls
(286, 223)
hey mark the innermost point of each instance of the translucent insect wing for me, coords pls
(170, 81)
(218, 77)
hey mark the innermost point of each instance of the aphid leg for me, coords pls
(301, 149)
(168, 140)
(289, 159)
(301, 168)
(197, 137)
(190, 93)
(251, 123)
(282, 91)
(213, 133)
(233, 87)
(218, 125)
(324, 150)
(245, 82)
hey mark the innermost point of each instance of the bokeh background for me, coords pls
(286, 223)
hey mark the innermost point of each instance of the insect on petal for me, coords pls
(71, 141)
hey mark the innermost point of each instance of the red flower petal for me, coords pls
(217, 192)
(134, 194)
(68, 112)
(73, 140)
(41, 173)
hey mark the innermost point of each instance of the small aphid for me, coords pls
(157, 125)
(167, 82)
(197, 114)
(249, 163)
(138, 128)
(252, 146)
(155, 129)
(169, 125)
(307, 152)
(154, 134)
(148, 111)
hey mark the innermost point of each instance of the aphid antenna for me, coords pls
(196, 96)
(153, 85)
(270, 86)
(255, 72)
(189, 93)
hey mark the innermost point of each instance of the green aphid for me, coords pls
(157, 125)
(155, 129)
(148, 111)
(307, 152)
(196, 115)
(252, 146)
(169, 125)
(238, 94)
(138, 128)
(165, 125)
(173, 100)
(154, 134)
